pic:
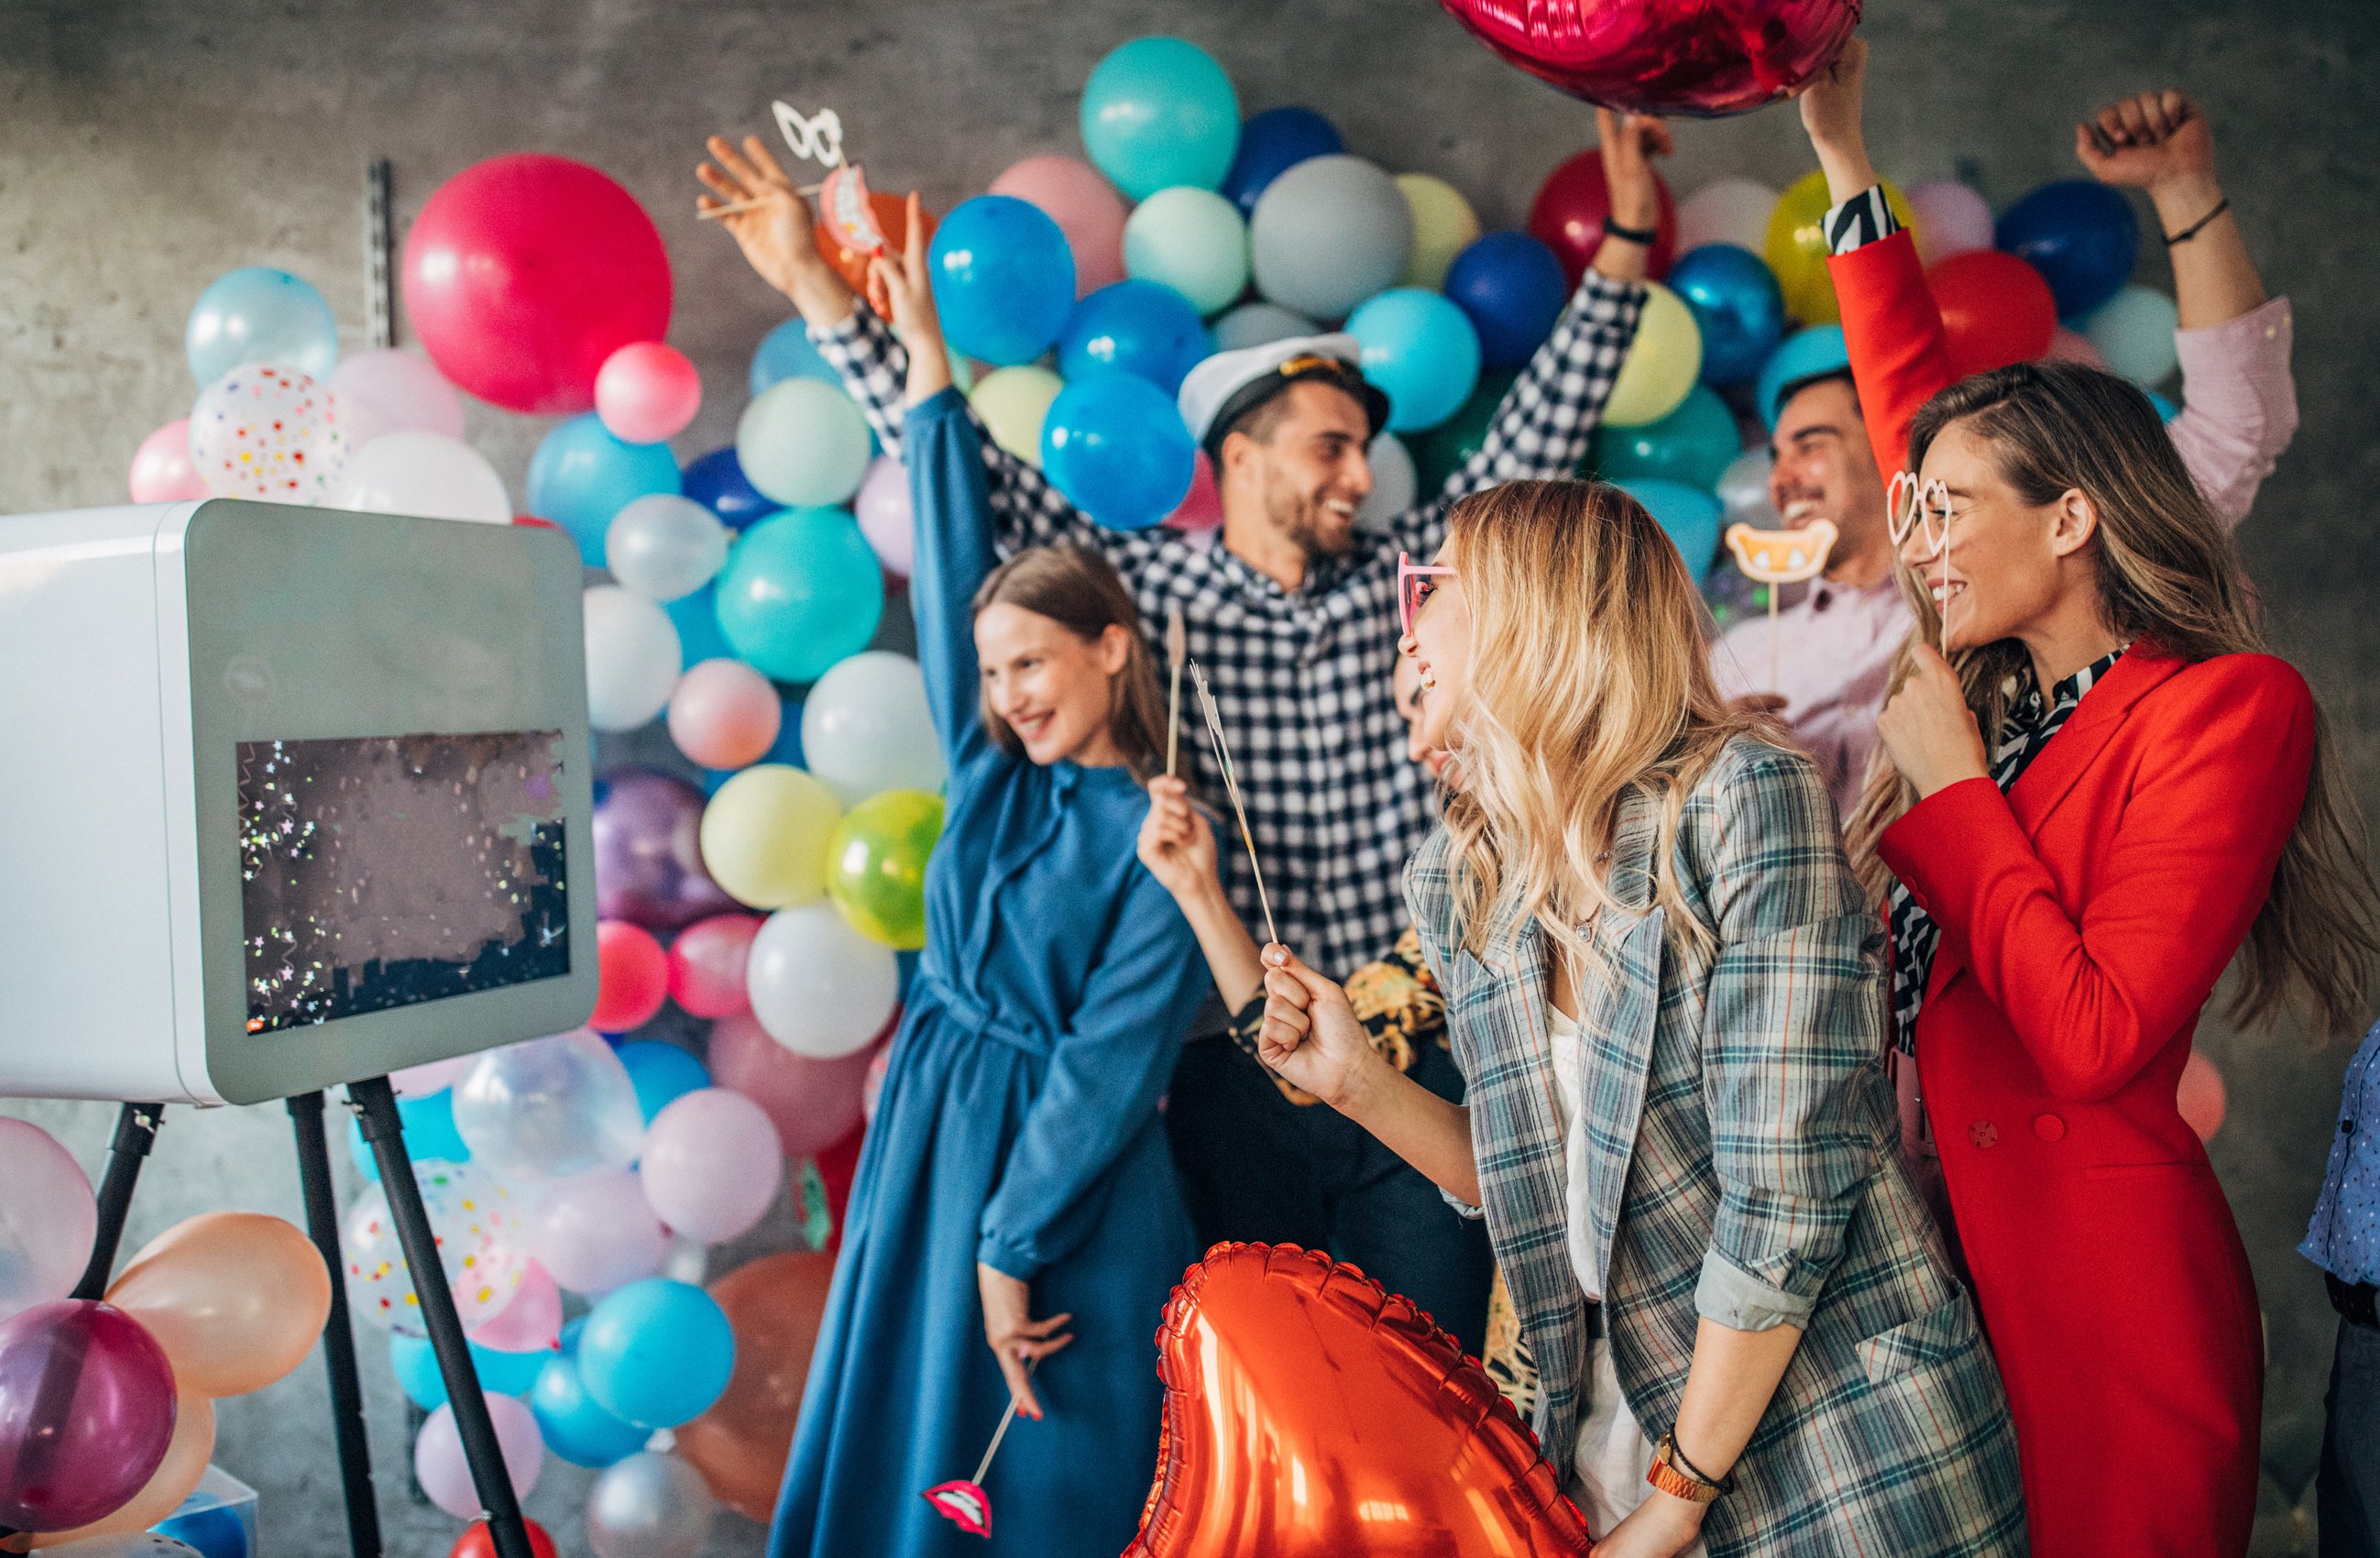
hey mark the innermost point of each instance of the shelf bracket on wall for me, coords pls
(380, 300)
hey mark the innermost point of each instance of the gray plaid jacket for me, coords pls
(1742, 1165)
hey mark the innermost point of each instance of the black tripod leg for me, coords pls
(338, 1335)
(385, 1132)
(136, 1131)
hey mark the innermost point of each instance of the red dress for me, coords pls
(2085, 917)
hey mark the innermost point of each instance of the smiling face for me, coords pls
(1439, 648)
(1825, 469)
(1297, 466)
(1051, 686)
(2010, 564)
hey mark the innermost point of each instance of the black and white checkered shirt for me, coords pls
(1302, 678)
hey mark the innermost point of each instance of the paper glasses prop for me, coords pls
(843, 205)
(1914, 505)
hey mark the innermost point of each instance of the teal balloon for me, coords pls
(2134, 334)
(1819, 349)
(801, 590)
(259, 314)
(1692, 446)
(1115, 445)
(1420, 349)
(786, 353)
(2166, 409)
(574, 1427)
(1158, 111)
(581, 476)
(661, 1074)
(429, 1133)
(1690, 515)
(415, 1363)
(656, 1352)
(696, 617)
(802, 443)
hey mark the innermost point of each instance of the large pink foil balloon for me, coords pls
(47, 1215)
(446, 1476)
(1085, 205)
(1704, 58)
(87, 1405)
(523, 273)
(813, 1103)
(161, 471)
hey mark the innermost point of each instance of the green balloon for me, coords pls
(1439, 453)
(1692, 446)
(876, 866)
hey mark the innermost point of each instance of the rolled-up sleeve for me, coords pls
(2238, 404)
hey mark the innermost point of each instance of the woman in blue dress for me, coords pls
(1016, 1187)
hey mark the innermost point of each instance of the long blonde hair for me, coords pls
(1589, 678)
(2168, 573)
(1080, 591)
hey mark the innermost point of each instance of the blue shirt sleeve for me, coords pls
(1106, 1073)
(952, 500)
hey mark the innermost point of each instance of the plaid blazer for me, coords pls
(1741, 1164)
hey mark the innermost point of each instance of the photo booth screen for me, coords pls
(390, 870)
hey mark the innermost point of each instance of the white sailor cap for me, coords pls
(1229, 385)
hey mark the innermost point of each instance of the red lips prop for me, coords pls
(1309, 1412)
(1706, 58)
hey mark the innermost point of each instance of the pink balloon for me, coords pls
(883, 508)
(47, 1218)
(724, 714)
(595, 1231)
(2200, 1096)
(1085, 207)
(813, 1103)
(1952, 219)
(523, 274)
(385, 391)
(705, 965)
(446, 1476)
(530, 1321)
(161, 471)
(647, 391)
(712, 1163)
(1202, 507)
(430, 1077)
(87, 1407)
(2072, 346)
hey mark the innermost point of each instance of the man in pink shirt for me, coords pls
(1835, 645)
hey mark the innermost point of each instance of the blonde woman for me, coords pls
(1662, 984)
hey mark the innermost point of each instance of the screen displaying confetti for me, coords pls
(390, 871)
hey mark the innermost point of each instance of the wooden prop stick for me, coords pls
(736, 208)
(1176, 651)
(1231, 785)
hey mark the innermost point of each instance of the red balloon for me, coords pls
(477, 1541)
(1568, 214)
(523, 273)
(705, 965)
(1706, 58)
(1277, 1356)
(631, 974)
(1997, 311)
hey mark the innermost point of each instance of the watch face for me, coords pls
(389, 870)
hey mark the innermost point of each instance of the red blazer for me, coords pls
(2085, 917)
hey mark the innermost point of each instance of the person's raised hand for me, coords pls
(2152, 139)
(1628, 143)
(1176, 844)
(1017, 1340)
(1311, 1037)
(779, 235)
(1831, 100)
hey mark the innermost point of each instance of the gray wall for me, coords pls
(147, 147)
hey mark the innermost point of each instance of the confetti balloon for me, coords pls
(267, 431)
(480, 1244)
(1704, 58)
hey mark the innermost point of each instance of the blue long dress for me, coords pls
(1019, 1125)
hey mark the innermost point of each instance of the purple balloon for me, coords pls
(85, 1412)
(648, 852)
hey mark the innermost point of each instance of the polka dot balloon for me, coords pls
(482, 1243)
(263, 430)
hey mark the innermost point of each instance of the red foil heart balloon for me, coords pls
(1708, 58)
(1308, 1413)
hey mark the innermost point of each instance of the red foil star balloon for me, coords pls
(1708, 58)
(1308, 1413)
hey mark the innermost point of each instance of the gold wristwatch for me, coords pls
(1676, 1475)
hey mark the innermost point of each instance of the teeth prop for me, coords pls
(1775, 557)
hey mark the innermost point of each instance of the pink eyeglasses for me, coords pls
(1414, 586)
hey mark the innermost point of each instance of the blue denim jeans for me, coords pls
(2347, 1486)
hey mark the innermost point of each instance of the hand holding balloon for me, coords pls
(1628, 143)
(1017, 1339)
(898, 290)
(778, 233)
(1830, 113)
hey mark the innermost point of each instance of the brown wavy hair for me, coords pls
(2168, 572)
(1080, 591)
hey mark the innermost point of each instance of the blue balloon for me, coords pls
(1690, 515)
(1819, 349)
(1270, 143)
(1510, 286)
(575, 1427)
(1692, 446)
(716, 482)
(2082, 237)
(696, 617)
(1115, 445)
(662, 1074)
(1734, 298)
(1004, 279)
(1158, 111)
(581, 476)
(1142, 327)
(656, 1352)
(2166, 408)
(415, 1363)
(429, 1133)
(801, 590)
(216, 1532)
(259, 314)
(1421, 351)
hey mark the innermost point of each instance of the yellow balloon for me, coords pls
(764, 837)
(1011, 402)
(1797, 247)
(1444, 225)
(1662, 364)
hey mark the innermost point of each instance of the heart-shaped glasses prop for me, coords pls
(1924, 508)
(843, 204)
(1775, 557)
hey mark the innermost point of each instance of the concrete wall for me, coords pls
(146, 147)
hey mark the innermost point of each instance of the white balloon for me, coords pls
(384, 391)
(1743, 490)
(1394, 483)
(818, 987)
(1260, 324)
(711, 1163)
(595, 1231)
(865, 728)
(633, 659)
(687, 1260)
(1729, 210)
(662, 547)
(550, 1108)
(425, 473)
(649, 1505)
